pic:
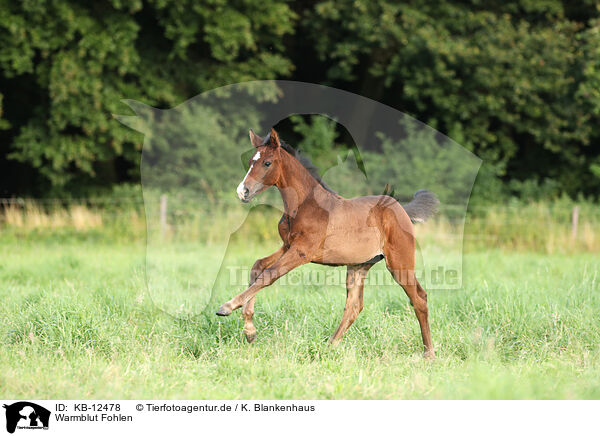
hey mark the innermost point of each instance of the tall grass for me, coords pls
(39, 219)
(544, 227)
(31, 216)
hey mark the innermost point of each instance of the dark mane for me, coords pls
(304, 161)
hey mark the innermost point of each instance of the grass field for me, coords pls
(76, 322)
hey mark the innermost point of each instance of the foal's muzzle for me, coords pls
(245, 194)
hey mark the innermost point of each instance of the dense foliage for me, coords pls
(517, 82)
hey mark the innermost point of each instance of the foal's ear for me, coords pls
(274, 139)
(255, 139)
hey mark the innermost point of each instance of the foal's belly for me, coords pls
(350, 247)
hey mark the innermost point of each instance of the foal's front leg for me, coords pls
(292, 258)
(248, 309)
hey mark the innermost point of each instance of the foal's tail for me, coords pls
(422, 207)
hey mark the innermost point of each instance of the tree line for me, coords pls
(516, 82)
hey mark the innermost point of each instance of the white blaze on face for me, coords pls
(241, 186)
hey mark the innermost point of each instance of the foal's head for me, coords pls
(265, 166)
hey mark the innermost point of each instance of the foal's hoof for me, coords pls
(333, 342)
(224, 310)
(250, 337)
(429, 355)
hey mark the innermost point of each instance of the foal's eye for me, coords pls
(267, 164)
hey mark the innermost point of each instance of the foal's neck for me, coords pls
(296, 184)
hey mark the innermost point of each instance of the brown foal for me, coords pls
(322, 227)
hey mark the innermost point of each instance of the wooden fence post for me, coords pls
(574, 222)
(163, 215)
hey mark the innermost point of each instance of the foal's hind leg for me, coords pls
(248, 309)
(355, 281)
(404, 274)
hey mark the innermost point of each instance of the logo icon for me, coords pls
(26, 415)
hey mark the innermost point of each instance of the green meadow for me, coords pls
(77, 321)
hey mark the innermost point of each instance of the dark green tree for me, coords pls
(515, 82)
(71, 63)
